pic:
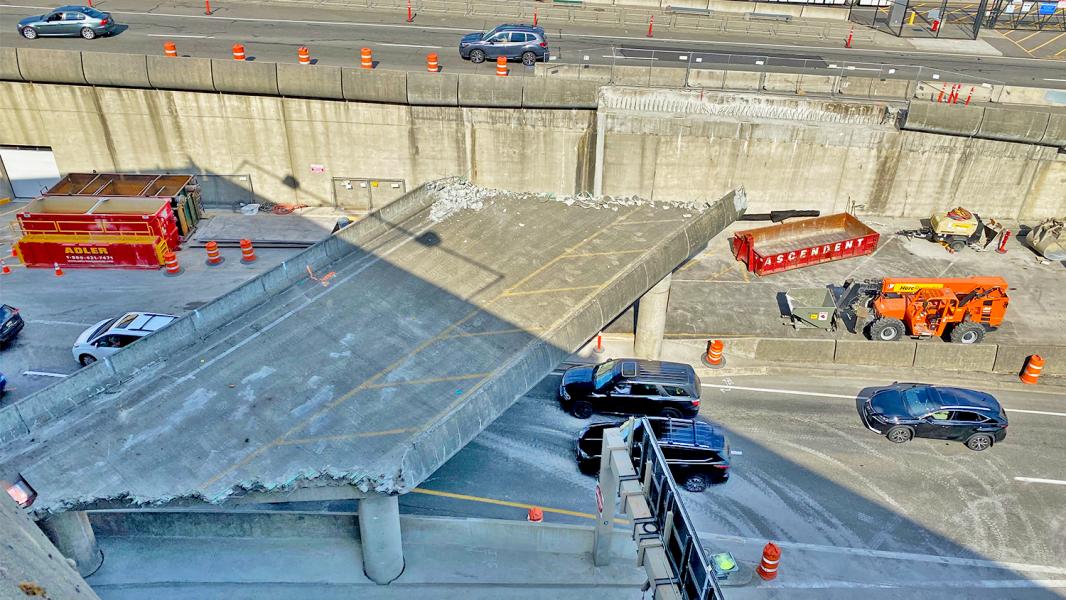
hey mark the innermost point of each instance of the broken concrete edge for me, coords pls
(544, 353)
(29, 414)
(1008, 359)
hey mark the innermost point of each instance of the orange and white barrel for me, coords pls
(247, 252)
(501, 66)
(366, 58)
(214, 257)
(238, 52)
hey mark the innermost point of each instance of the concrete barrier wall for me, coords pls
(9, 65)
(181, 73)
(952, 119)
(977, 358)
(50, 66)
(374, 86)
(1014, 125)
(489, 90)
(433, 89)
(243, 77)
(310, 82)
(118, 70)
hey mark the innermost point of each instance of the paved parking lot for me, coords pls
(58, 309)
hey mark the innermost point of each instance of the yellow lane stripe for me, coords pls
(522, 505)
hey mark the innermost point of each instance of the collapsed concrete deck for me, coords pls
(369, 359)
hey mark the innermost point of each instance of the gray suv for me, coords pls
(515, 42)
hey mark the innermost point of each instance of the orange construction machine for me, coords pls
(962, 309)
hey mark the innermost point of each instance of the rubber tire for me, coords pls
(887, 325)
(979, 436)
(529, 58)
(957, 245)
(581, 410)
(477, 56)
(897, 429)
(30, 30)
(671, 413)
(968, 330)
(695, 483)
(86, 359)
(88, 33)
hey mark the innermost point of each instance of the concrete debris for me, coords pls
(456, 194)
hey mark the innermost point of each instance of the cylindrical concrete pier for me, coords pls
(73, 536)
(379, 531)
(651, 321)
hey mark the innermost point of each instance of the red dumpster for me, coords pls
(801, 243)
(98, 251)
(72, 215)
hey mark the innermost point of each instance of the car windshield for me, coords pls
(603, 374)
(6, 312)
(921, 400)
(107, 325)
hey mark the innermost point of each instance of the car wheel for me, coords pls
(968, 333)
(979, 441)
(887, 330)
(581, 409)
(477, 56)
(957, 246)
(696, 483)
(29, 33)
(86, 359)
(670, 413)
(88, 33)
(899, 434)
(529, 59)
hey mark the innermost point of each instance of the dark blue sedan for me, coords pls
(903, 411)
(68, 21)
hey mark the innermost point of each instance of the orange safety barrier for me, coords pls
(431, 63)
(501, 66)
(59, 271)
(713, 357)
(170, 49)
(238, 51)
(247, 252)
(4, 269)
(535, 515)
(170, 261)
(214, 257)
(304, 55)
(771, 555)
(366, 59)
(1033, 368)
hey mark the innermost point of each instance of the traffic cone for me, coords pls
(536, 515)
(59, 271)
(4, 269)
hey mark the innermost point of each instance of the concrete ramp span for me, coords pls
(369, 359)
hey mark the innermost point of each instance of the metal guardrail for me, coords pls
(688, 560)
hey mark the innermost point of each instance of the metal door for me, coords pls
(30, 171)
(365, 194)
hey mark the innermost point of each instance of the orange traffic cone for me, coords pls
(4, 269)
(536, 515)
(59, 272)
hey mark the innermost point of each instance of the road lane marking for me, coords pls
(167, 35)
(1048, 42)
(1038, 480)
(45, 322)
(777, 391)
(1036, 412)
(522, 505)
(407, 45)
(1045, 79)
(45, 374)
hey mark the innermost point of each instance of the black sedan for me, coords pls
(903, 411)
(10, 324)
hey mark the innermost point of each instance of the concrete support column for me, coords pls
(597, 170)
(73, 536)
(379, 530)
(651, 320)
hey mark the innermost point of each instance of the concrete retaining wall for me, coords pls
(118, 70)
(930, 355)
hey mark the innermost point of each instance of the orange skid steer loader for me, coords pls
(963, 310)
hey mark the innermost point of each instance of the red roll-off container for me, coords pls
(802, 243)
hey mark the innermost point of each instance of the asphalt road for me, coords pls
(854, 513)
(334, 36)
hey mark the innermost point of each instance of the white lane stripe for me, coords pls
(776, 391)
(1055, 80)
(906, 556)
(167, 35)
(71, 323)
(405, 45)
(45, 374)
(1038, 480)
(1035, 412)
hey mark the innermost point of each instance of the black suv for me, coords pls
(10, 324)
(903, 411)
(514, 42)
(697, 451)
(631, 386)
